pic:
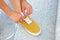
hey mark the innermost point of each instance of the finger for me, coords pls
(20, 17)
(27, 12)
(30, 10)
(22, 9)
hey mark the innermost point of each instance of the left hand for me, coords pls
(26, 6)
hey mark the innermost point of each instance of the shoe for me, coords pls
(30, 25)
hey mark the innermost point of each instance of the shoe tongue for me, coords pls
(27, 20)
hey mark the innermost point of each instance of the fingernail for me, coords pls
(25, 10)
(22, 14)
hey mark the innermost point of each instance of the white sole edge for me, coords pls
(35, 34)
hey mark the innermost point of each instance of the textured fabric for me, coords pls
(58, 22)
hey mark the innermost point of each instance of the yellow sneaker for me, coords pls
(31, 26)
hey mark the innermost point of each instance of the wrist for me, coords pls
(5, 7)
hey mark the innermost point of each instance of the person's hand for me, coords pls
(26, 6)
(16, 16)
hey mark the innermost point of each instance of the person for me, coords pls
(19, 6)
(16, 14)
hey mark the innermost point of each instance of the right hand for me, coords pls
(16, 17)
